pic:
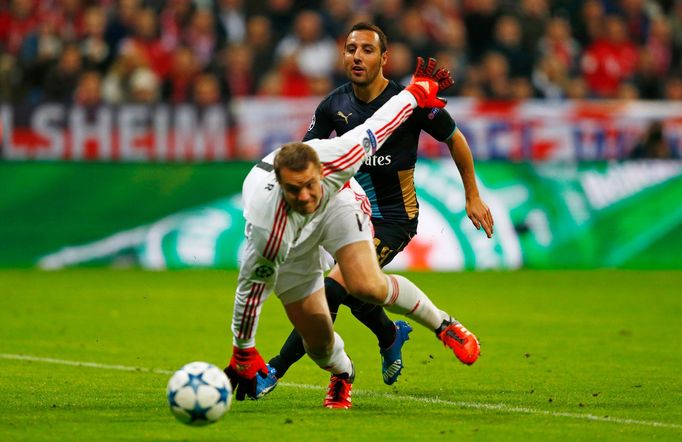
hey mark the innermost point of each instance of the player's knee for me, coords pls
(320, 353)
(372, 290)
(319, 349)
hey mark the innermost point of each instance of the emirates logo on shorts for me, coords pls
(264, 271)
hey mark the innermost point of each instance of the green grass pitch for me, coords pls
(566, 355)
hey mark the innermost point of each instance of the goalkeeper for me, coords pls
(300, 198)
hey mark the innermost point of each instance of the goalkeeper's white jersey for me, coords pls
(273, 228)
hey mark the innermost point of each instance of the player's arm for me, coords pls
(268, 239)
(266, 249)
(477, 211)
(342, 156)
(257, 274)
(321, 125)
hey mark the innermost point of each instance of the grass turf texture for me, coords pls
(557, 348)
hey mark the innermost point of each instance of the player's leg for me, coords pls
(391, 335)
(389, 240)
(300, 287)
(292, 350)
(397, 294)
(363, 277)
(371, 315)
(310, 316)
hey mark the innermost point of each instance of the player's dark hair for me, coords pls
(364, 26)
(295, 156)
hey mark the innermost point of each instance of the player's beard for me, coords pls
(368, 78)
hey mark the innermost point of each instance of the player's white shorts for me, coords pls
(346, 221)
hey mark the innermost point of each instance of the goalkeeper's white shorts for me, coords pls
(346, 221)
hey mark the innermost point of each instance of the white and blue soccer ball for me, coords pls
(199, 394)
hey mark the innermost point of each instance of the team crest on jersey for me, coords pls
(369, 143)
(312, 124)
(264, 271)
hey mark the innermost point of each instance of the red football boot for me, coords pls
(462, 342)
(338, 394)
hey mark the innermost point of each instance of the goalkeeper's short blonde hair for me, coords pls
(295, 156)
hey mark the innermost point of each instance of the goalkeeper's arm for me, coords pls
(343, 156)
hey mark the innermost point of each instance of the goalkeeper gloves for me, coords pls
(245, 365)
(427, 82)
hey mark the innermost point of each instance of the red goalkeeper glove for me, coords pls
(427, 82)
(245, 365)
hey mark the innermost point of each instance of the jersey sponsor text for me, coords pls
(378, 160)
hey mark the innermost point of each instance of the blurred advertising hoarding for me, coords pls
(548, 215)
(130, 133)
(535, 130)
(250, 128)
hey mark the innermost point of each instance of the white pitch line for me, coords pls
(474, 405)
(83, 364)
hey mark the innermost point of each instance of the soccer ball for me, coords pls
(199, 394)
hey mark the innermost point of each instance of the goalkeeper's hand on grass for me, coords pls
(427, 82)
(245, 365)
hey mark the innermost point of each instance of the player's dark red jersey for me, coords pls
(387, 177)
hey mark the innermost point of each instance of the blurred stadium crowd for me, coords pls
(202, 51)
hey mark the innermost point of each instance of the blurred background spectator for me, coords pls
(313, 52)
(652, 145)
(499, 49)
(206, 90)
(610, 59)
(231, 20)
(89, 90)
(61, 78)
(177, 86)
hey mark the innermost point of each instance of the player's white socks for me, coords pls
(336, 361)
(407, 299)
